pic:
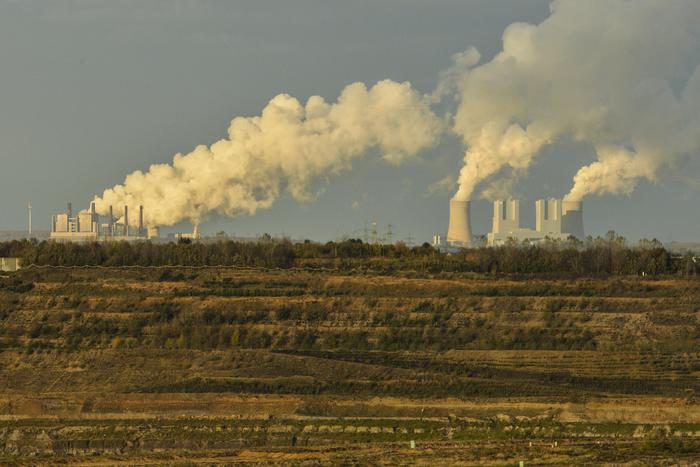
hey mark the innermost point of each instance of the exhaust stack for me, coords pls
(141, 220)
(572, 218)
(111, 221)
(459, 231)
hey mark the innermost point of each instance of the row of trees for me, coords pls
(603, 255)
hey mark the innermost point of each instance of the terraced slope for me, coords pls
(235, 366)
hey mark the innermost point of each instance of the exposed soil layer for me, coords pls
(207, 367)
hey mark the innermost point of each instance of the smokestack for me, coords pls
(126, 220)
(111, 221)
(70, 210)
(140, 220)
(92, 208)
(459, 230)
(572, 218)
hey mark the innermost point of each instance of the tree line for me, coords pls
(610, 254)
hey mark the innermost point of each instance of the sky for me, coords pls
(93, 90)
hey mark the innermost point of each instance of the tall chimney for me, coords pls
(92, 208)
(126, 220)
(70, 210)
(140, 220)
(572, 218)
(111, 221)
(459, 230)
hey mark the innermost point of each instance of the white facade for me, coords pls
(506, 216)
(550, 222)
(190, 236)
(82, 228)
(10, 264)
(459, 231)
(548, 216)
(86, 227)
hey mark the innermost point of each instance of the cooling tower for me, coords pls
(459, 230)
(572, 218)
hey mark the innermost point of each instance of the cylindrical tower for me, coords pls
(572, 218)
(459, 231)
(111, 221)
(140, 220)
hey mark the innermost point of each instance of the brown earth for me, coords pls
(101, 367)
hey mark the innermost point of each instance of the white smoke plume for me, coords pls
(620, 75)
(287, 147)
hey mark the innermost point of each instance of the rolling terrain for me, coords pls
(226, 365)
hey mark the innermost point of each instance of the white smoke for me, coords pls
(444, 185)
(287, 147)
(620, 75)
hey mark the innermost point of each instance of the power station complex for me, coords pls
(86, 227)
(554, 219)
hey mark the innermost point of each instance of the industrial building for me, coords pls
(459, 232)
(194, 235)
(87, 226)
(555, 219)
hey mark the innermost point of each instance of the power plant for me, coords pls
(459, 232)
(87, 227)
(555, 219)
(572, 218)
(194, 235)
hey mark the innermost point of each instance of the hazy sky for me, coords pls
(92, 90)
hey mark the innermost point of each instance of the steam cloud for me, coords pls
(287, 147)
(619, 75)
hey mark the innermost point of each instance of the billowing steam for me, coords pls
(287, 147)
(619, 75)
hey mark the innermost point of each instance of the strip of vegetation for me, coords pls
(594, 256)
(431, 386)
